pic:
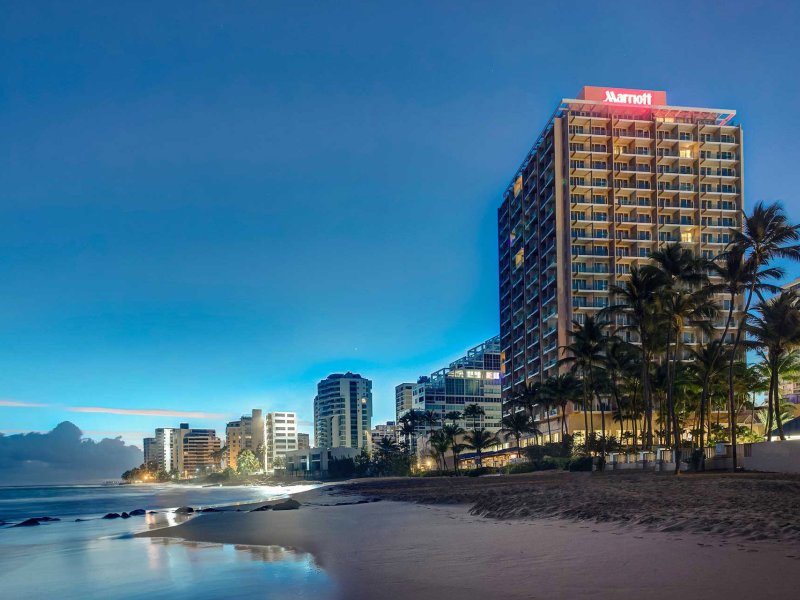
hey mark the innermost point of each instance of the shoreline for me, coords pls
(443, 549)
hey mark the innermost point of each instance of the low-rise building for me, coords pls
(383, 430)
(315, 462)
(303, 441)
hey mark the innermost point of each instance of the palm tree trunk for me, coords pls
(647, 401)
(778, 420)
(770, 395)
(731, 405)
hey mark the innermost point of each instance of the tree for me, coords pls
(453, 416)
(261, 454)
(518, 424)
(440, 443)
(775, 329)
(247, 463)
(766, 235)
(634, 303)
(561, 390)
(479, 440)
(473, 413)
(453, 431)
(584, 354)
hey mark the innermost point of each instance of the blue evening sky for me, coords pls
(208, 207)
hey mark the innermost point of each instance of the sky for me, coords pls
(208, 207)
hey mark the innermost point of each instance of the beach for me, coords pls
(544, 535)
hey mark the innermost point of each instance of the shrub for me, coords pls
(481, 471)
(580, 463)
(523, 467)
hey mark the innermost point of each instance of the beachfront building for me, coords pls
(614, 175)
(281, 437)
(313, 463)
(165, 449)
(197, 451)
(471, 379)
(246, 433)
(149, 450)
(383, 430)
(403, 399)
(343, 411)
(303, 441)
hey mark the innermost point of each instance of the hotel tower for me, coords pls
(614, 175)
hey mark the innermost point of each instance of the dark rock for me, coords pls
(28, 523)
(184, 510)
(125, 515)
(290, 504)
(260, 508)
(111, 516)
(153, 512)
(47, 519)
(209, 509)
(80, 520)
(137, 513)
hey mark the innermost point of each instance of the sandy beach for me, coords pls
(546, 535)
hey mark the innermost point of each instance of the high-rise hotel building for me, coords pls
(614, 175)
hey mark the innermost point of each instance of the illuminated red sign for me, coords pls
(624, 96)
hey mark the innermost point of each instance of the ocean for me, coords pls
(85, 556)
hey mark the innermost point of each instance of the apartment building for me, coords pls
(149, 450)
(197, 450)
(165, 450)
(383, 430)
(303, 441)
(343, 411)
(614, 174)
(403, 399)
(281, 437)
(246, 433)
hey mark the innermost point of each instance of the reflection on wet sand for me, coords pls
(255, 553)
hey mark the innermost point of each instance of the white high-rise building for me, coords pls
(343, 411)
(281, 437)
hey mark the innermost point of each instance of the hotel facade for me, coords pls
(614, 175)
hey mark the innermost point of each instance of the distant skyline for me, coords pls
(208, 208)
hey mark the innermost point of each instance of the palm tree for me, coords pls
(684, 309)
(617, 359)
(775, 330)
(635, 302)
(739, 274)
(453, 416)
(474, 412)
(408, 428)
(518, 424)
(452, 432)
(585, 354)
(478, 440)
(766, 234)
(707, 369)
(431, 420)
(440, 443)
(561, 390)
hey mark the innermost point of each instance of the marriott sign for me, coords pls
(624, 96)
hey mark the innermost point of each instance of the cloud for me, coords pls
(62, 456)
(143, 412)
(16, 403)
(147, 412)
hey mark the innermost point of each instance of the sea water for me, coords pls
(85, 556)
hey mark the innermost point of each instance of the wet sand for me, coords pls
(445, 549)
